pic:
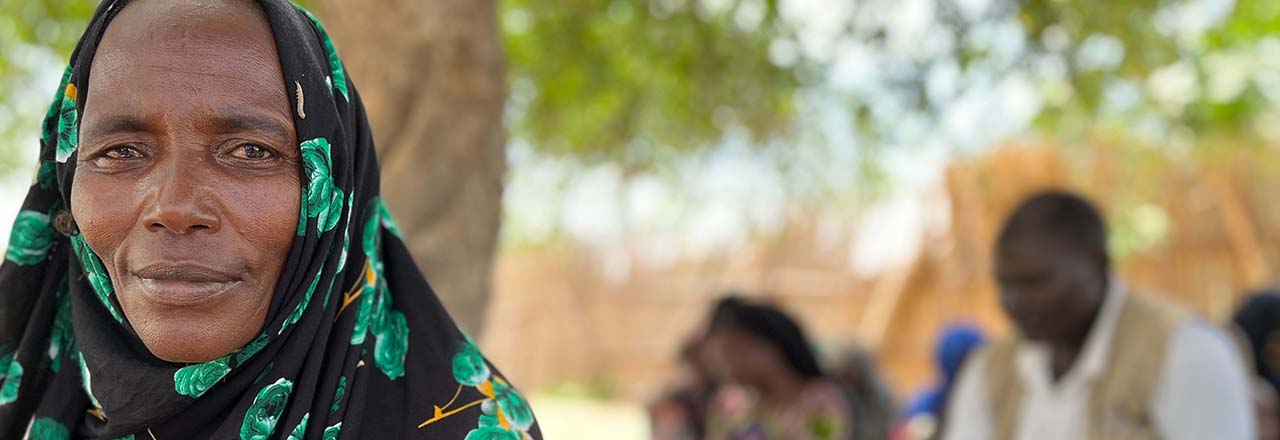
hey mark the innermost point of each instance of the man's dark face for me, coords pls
(1051, 291)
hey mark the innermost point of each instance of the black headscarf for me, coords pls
(355, 345)
(771, 325)
(1259, 318)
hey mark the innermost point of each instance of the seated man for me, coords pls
(1091, 360)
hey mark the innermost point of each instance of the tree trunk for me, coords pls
(432, 76)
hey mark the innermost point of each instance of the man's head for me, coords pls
(1053, 268)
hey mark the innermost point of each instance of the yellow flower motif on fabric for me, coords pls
(68, 124)
(504, 413)
(374, 312)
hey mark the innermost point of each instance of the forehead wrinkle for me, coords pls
(186, 70)
(266, 91)
(194, 32)
(119, 66)
(197, 55)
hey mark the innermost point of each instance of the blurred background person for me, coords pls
(870, 397)
(923, 416)
(779, 391)
(1259, 319)
(1091, 359)
(681, 413)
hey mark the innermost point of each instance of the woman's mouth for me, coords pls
(181, 285)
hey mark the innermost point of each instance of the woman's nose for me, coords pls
(177, 203)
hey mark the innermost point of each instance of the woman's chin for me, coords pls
(198, 331)
(185, 340)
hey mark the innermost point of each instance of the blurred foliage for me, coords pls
(1204, 70)
(35, 35)
(640, 83)
(1207, 66)
(627, 80)
(636, 81)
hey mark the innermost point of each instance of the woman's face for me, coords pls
(748, 360)
(187, 181)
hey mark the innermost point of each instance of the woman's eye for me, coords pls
(123, 152)
(251, 152)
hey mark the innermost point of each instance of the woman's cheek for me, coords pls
(103, 217)
(266, 208)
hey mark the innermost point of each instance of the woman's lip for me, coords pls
(180, 293)
(183, 284)
(184, 272)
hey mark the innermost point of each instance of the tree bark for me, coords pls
(432, 76)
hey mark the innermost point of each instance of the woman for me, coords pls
(1259, 321)
(780, 392)
(205, 255)
(681, 413)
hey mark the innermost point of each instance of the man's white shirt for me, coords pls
(1202, 393)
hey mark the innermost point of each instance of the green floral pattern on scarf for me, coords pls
(44, 428)
(392, 344)
(12, 379)
(364, 309)
(513, 405)
(339, 394)
(302, 306)
(505, 414)
(374, 313)
(51, 116)
(469, 367)
(30, 239)
(492, 433)
(97, 274)
(250, 349)
(321, 197)
(331, 433)
(84, 376)
(62, 339)
(47, 176)
(301, 429)
(346, 243)
(194, 380)
(491, 426)
(260, 421)
(68, 124)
